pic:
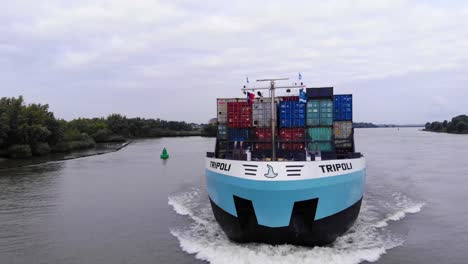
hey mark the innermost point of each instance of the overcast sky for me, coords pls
(404, 61)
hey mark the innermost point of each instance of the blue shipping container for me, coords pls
(238, 134)
(343, 107)
(292, 114)
(222, 131)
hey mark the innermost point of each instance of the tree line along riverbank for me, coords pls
(458, 125)
(28, 130)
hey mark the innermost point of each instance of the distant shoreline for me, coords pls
(33, 161)
(387, 126)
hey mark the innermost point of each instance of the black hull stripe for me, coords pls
(302, 229)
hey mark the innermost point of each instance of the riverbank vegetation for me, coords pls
(31, 129)
(210, 130)
(458, 125)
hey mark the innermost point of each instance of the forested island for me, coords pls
(458, 125)
(364, 125)
(32, 130)
(372, 125)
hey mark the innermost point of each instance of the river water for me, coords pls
(131, 207)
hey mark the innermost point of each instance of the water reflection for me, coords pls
(29, 197)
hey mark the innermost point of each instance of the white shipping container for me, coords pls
(261, 112)
(222, 115)
(343, 143)
(343, 129)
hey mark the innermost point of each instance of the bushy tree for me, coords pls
(118, 124)
(24, 125)
(102, 135)
(210, 130)
(19, 151)
(436, 126)
(462, 126)
(428, 125)
(444, 124)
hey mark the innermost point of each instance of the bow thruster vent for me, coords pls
(294, 170)
(250, 170)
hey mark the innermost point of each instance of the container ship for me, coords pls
(285, 169)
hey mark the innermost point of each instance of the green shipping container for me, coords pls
(320, 133)
(326, 104)
(326, 119)
(312, 121)
(313, 104)
(326, 110)
(321, 146)
(313, 115)
(319, 113)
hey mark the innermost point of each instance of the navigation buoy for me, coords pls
(164, 154)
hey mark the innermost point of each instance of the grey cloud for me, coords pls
(141, 58)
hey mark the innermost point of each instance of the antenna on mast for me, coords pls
(272, 89)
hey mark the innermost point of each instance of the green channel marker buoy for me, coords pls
(164, 154)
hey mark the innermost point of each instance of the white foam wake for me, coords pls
(367, 240)
(185, 204)
(403, 205)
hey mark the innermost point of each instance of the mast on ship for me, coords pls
(272, 89)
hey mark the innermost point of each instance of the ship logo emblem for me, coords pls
(270, 173)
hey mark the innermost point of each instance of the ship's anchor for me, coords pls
(270, 173)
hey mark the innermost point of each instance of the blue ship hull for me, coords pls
(310, 212)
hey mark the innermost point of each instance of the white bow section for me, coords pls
(284, 170)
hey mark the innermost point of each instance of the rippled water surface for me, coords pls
(131, 207)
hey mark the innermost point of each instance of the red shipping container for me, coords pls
(290, 98)
(263, 133)
(292, 146)
(292, 134)
(262, 146)
(239, 115)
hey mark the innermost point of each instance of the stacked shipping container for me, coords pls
(234, 119)
(319, 119)
(324, 124)
(239, 123)
(222, 144)
(292, 115)
(222, 116)
(261, 112)
(239, 134)
(222, 131)
(320, 112)
(239, 114)
(343, 107)
(321, 138)
(343, 123)
(262, 139)
(262, 123)
(222, 110)
(292, 138)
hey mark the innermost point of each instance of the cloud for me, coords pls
(440, 101)
(141, 46)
